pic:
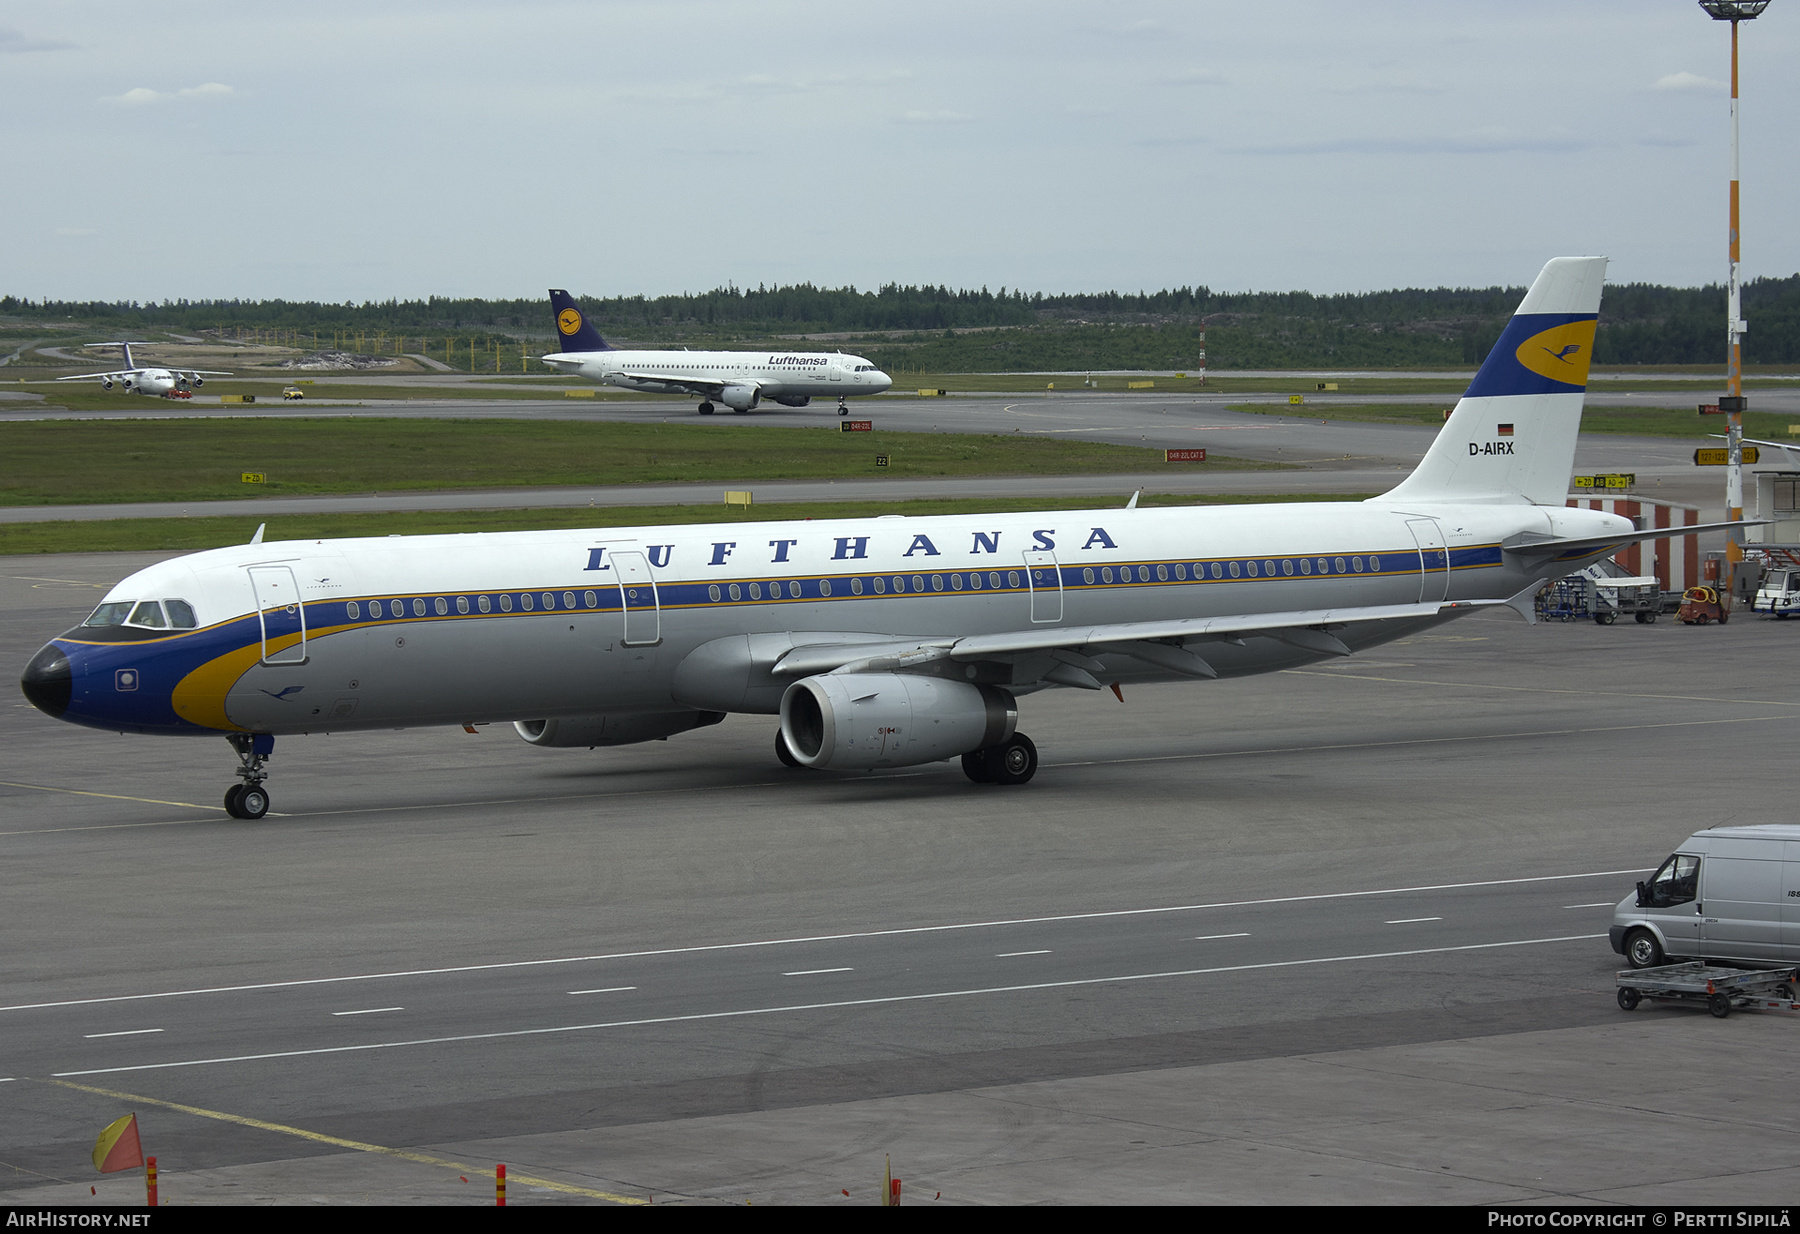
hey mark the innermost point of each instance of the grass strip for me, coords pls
(149, 534)
(52, 462)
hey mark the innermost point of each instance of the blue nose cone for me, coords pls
(48, 682)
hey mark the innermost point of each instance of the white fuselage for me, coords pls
(310, 636)
(773, 375)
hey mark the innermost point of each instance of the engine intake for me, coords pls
(859, 721)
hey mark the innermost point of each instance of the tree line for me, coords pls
(947, 330)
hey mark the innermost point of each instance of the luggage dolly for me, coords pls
(1721, 989)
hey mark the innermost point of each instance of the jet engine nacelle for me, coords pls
(858, 721)
(197, 381)
(106, 385)
(621, 729)
(793, 400)
(740, 397)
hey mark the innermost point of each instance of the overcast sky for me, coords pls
(370, 150)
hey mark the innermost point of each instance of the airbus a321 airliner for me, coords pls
(738, 379)
(881, 642)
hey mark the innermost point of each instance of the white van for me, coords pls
(1728, 893)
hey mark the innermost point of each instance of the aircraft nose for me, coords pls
(883, 380)
(48, 681)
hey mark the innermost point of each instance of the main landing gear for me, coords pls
(250, 799)
(706, 409)
(1013, 761)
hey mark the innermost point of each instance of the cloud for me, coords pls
(1195, 77)
(15, 43)
(1687, 81)
(143, 96)
(935, 117)
(1474, 141)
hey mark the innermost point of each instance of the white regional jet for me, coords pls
(738, 379)
(152, 381)
(880, 642)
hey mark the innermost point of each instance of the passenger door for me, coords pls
(637, 590)
(1434, 559)
(282, 617)
(1044, 578)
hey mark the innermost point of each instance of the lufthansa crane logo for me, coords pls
(1565, 353)
(568, 321)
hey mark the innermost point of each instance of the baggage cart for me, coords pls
(1719, 990)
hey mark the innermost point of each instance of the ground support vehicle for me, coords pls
(1703, 604)
(1779, 593)
(1613, 597)
(1720, 990)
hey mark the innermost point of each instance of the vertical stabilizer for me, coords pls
(572, 326)
(1512, 436)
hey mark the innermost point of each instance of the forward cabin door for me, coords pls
(1434, 559)
(637, 592)
(279, 610)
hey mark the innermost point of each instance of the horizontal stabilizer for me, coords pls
(1583, 546)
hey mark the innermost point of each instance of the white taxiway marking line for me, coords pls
(369, 1011)
(1410, 920)
(612, 989)
(857, 1002)
(814, 972)
(820, 938)
(1601, 904)
(130, 1032)
(1007, 955)
(1206, 938)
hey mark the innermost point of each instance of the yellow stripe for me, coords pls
(355, 1145)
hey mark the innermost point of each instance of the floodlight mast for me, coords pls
(1734, 11)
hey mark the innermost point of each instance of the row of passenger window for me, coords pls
(899, 584)
(442, 605)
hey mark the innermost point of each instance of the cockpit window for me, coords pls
(148, 614)
(181, 614)
(112, 613)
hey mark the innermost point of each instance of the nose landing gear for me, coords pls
(250, 800)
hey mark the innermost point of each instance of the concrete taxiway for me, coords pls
(1331, 935)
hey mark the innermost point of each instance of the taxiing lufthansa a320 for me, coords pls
(879, 642)
(738, 379)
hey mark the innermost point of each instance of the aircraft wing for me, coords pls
(1067, 646)
(698, 385)
(120, 374)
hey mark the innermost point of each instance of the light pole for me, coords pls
(1734, 11)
